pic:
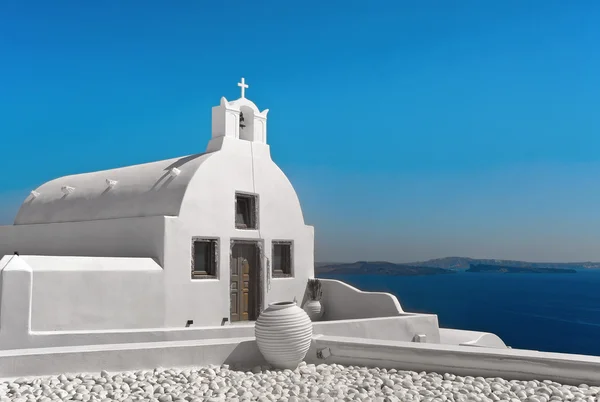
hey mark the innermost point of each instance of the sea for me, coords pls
(545, 312)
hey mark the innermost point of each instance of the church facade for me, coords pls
(200, 240)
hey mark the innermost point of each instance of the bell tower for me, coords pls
(239, 119)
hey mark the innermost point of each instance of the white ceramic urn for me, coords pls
(314, 309)
(283, 333)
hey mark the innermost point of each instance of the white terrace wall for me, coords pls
(41, 293)
(344, 302)
(509, 364)
(95, 293)
(208, 210)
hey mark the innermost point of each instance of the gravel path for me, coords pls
(308, 382)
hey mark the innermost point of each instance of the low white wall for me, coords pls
(510, 364)
(505, 363)
(88, 293)
(45, 339)
(77, 293)
(342, 302)
(140, 356)
(390, 328)
(401, 328)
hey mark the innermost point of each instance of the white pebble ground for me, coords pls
(307, 383)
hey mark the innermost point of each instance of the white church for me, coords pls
(197, 240)
(171, 263)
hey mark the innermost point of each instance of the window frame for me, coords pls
(252, 209)
(214, 260)
(281, 273)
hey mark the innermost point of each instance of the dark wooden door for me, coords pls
(243, 285)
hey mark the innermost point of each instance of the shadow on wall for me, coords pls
(166, 178)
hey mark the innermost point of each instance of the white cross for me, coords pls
(243, 85)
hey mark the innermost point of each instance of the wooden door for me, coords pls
(243, 285)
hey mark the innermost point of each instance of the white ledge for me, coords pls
(510, 364)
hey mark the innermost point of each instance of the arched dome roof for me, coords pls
(238, 103)
(150, 189)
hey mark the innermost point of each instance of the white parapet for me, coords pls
(343, 302)
(509, 364)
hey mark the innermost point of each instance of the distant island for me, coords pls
(449, 265)
(464, 263)
(486, 268)
(377, 268)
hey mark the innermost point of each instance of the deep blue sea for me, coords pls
(547, 312)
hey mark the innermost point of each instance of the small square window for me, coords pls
(204, 258)
(245, 211)
(282, 259)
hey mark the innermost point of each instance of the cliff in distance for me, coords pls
(448, 265)
(483, 268)
(463, 263)
(377, 268)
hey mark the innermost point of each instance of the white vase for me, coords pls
(314, 309)
(283, 333)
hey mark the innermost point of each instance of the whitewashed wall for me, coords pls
(345, 302)
(208, 210)
(91, 293)
(126, 237)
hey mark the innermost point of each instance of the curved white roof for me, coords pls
(244, 102)
(150, 189)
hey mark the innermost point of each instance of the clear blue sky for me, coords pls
(411, 130)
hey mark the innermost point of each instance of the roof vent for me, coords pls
(174, 172)
(34, 194)
(111, 183)
(67, 189)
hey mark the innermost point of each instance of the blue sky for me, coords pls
(411, 130)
